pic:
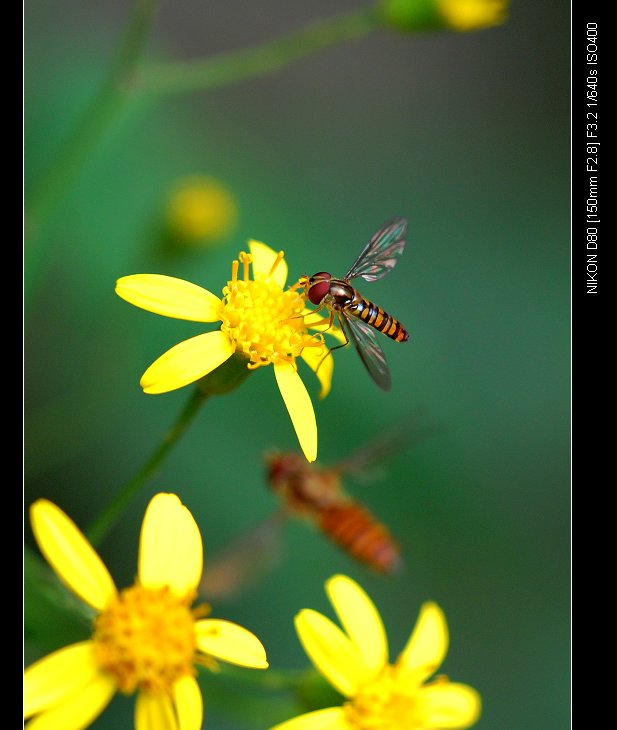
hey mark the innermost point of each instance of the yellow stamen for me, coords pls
(234, 270)
(246, 259)
(146, 639)
(277, 261)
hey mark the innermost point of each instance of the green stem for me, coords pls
(99, 528)
(210, 73)
(272, 680)
(52, 187)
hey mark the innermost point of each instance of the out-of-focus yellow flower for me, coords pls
(459, 15)
(200, 210)
(380, 696)
(467, 15)
(146, 639)
(260, 320)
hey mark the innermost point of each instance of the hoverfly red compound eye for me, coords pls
(318, 291)
(317, 286)
(320, 276)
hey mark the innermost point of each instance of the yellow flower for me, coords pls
(466, 15)
(459, 15)
(146, 638)
(200, 209)
(380, 696)
(260, 320)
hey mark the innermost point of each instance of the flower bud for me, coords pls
(426, 15)
(200, 212)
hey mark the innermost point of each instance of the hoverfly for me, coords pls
(317, 495)
(358, 316)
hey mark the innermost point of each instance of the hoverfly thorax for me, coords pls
(303, 488)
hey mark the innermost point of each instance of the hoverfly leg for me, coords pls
(329, 319)
(319, 322)
(336, 347)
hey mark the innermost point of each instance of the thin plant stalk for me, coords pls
(229, 68)
(105, 520)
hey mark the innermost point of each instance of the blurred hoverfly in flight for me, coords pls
(359, 317)
(316, 494)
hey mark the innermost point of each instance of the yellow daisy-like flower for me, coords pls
(260, 320)
(466, 15)
(146, 638)
(200, 209)
(380, 696)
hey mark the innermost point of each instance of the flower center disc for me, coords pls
(146, 639)
(382, 705)
(264, 321)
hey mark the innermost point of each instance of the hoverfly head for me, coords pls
(318, 286)
(282, 467)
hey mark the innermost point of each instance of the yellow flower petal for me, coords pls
(449, 705)
(80, 709)
(170, 297)
(428, 643)
(54, 678)
(154, 712)
(170, 547)
(189, 703)
(231, 643)
(331, 718)
(331, 651)
(360, 619)
(70, 554)
(187, 362)
(264, 258)
(299, 406)
(321, 363)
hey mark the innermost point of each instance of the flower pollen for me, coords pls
(146, 639)
(263, 320)
(383, 704)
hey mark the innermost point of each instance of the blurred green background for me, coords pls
(466, 135)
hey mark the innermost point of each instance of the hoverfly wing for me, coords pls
(235, 569)
(369, 349)
(381, 253)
